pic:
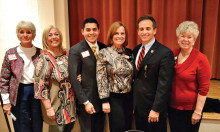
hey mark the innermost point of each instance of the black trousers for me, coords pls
(143, 125)
(180, 120)
(27, 110)
(90, 123)
(141, 120)
(69, 127)
(120, 117)
(62, 128)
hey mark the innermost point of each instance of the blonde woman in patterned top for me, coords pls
(52, 85)
(114, 78)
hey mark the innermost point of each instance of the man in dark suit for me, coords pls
(82, 61)
(154, 67)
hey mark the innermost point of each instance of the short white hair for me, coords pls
(26, 24)
(188, 27)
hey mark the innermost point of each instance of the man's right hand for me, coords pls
(90, 108)
(79, 78)
(7, 108)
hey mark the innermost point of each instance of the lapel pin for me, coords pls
(152, 51)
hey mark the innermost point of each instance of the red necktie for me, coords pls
(141, 56)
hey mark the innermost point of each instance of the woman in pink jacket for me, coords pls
(16, 81)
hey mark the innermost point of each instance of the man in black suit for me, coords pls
(82, 61)
(154, 67)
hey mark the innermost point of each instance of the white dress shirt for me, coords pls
(96, 44)
(147, 47)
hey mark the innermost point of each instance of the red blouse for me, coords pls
(191, 77)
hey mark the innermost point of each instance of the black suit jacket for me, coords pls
(152, 83)
(82, 61)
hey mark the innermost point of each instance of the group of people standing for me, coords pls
(94, 79)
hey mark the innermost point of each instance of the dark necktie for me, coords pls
(140, 58)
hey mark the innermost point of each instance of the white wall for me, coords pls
(41, 12)
(11, 12)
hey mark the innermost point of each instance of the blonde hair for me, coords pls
(111, 32)
(188, 27)
(45, 36)
(26, 24)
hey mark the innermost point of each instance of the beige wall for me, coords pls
(55, 12)
(208, 125)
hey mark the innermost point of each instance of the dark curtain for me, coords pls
(168, 14)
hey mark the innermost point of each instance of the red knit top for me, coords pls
(190, 78)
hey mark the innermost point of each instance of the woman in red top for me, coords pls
(191, 81)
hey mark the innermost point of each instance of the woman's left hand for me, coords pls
(51, 113)
(106, 107)
(195, 118)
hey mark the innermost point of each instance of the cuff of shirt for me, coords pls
(5, 98)
(105, 100)
(85, 103)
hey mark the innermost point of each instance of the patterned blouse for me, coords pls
(114, 72)
(51, 81)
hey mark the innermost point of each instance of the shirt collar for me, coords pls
(148, 45)
(21, 49)
(90, 44)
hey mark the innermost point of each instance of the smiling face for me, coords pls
(186, 41)
(146, 32)
(90, 32)
(119, 37)
(26, 37)
(53, 39)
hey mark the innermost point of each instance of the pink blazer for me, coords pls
(11, 71)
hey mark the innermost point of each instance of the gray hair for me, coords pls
(26, 24)
(188, 27)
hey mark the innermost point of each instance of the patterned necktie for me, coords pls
(140, 58)
(94, 51)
